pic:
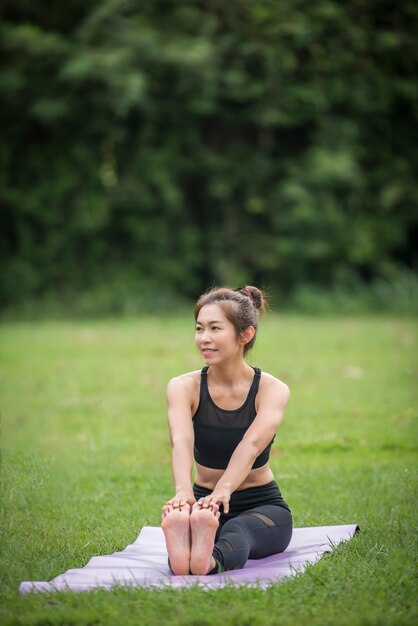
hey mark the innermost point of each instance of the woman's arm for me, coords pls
(179, 393)
(272, 403)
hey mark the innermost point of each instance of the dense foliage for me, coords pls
(155, 146)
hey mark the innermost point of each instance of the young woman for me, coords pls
(226, 415)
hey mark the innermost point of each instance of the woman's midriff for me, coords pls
(208, 477)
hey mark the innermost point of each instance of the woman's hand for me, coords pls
(180, 499)
(220, 495)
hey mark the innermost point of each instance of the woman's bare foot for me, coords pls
(175, 523)
(203, 523)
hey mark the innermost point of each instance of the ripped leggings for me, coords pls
(258, 524)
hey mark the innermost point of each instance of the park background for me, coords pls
(150, 150)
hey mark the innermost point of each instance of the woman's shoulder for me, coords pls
(273, 392)
(186, 385)
(189, 380)
(269, 382)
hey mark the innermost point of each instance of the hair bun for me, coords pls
(258, 298)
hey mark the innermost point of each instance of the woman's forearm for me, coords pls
(239, 466)
(182, 465)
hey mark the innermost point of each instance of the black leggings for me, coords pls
(258, 524)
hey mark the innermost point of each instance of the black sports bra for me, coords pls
(218, 431)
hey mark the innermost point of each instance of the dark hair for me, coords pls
(242, 307)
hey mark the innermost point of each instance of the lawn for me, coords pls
(86, 464)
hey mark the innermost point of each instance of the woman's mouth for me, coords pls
(207, 351)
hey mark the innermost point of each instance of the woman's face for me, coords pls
(215, 335)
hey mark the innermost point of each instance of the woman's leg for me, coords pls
(253, 534)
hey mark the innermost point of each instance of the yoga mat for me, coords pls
(144, 564)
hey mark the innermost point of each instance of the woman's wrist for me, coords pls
(184, 489)
(222, 485)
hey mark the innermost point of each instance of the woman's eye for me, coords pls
(213, 328)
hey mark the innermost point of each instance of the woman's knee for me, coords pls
(271, 529)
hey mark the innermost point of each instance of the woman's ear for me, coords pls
(247, 335)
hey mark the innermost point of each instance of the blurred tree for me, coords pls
(168, 145)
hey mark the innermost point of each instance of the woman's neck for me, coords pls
(231, 374)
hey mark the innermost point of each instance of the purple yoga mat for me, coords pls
(144, 564)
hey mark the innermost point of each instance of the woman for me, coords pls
(227, 415)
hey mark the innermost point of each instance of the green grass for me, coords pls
(86, 463)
